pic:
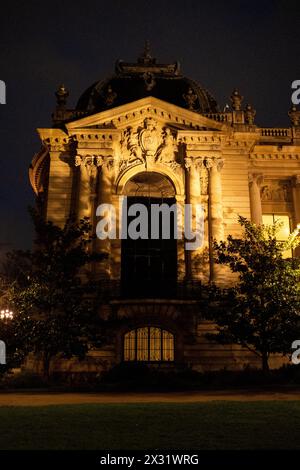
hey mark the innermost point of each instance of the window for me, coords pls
(283, 232)
(149, 344)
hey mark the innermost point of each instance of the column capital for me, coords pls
(296, 181)
(215, 163)
(93, 162)
(193, 162)
(257, 178)
(90, 163)
(89, 160)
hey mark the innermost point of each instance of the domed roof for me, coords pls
(133, 81)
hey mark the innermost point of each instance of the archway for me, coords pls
(149, 260)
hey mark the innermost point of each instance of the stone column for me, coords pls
(255, 180)
(193, 197)
(214, 166)
(181, 259)
(87, 186)
(87, 192)
(104, 196)
(296, 199)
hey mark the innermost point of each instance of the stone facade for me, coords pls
(95, 154)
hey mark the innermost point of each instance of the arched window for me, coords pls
(149, 344)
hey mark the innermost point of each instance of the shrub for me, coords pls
(22, 380)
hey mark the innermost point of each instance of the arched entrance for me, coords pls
(149, 261)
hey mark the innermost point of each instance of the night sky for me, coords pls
(253, 46)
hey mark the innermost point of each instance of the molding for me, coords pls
(121, 115)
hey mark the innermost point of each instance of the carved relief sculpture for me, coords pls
(168, 148)
(276, 191)
(147, 144)
(150, 139)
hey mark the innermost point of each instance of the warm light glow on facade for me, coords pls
(284, 230)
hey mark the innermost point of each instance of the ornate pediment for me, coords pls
(130, 114)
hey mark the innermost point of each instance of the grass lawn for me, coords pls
(216, 425)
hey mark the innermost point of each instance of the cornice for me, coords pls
(121, 115)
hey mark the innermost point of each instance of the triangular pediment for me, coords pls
(132, 113)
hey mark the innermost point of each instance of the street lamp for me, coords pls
(6, 314)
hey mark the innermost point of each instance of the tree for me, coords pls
(53, 303)
(262, 311)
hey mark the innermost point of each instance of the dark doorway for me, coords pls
(149, 266)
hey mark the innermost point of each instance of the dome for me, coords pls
(133, 81)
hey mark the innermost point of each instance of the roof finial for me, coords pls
(146, 57)
(61, 96)
(236, 100)
(249, 114)
(294, 115)
(147, 54)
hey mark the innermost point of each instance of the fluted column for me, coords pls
(193, 197)
(181, 258)
(255, 180)
(214, 166)
(104, 196)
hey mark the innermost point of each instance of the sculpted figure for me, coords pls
(168, 148)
